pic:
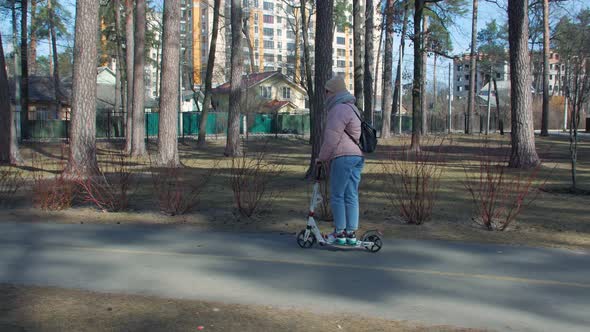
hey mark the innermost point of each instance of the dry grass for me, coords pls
(27, 309)
(555, 219)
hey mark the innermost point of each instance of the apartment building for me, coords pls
(273, 39)
(461, 75)
(556, 73)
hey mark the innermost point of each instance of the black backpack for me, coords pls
(368, 140)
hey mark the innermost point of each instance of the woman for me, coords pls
(341, 151)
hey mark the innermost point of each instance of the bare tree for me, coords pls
(32, 52)
(472, 72)
(523, 154)
(209, 75)
(368, 64)
(423, 100)
(323, 69)
(82, 160)
(24, 83)
(386, 104)
(232, 147)
(169, 100)
(358, 53)
(9, 152)
(53, 35)
(138, 135)
(129, 57)
(306, 51)
(545, 114)
(398, 75)
(417, 111)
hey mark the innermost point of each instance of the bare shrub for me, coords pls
(109, 190)
(11, 180)
(177, 193)
(250, 179)
(55, 192)
(497, 195)
(412, 180)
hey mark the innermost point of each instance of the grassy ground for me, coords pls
(554, 219)
(36, 309)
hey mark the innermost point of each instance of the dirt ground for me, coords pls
(554, 219)
(44, 309)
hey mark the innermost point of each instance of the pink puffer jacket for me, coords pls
(336, 142)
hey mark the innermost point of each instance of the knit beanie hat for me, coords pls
(336, 84)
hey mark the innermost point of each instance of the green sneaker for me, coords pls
(336, 238)
(351, 238)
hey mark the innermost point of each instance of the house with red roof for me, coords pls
(266, 92)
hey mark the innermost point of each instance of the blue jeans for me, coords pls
(345, 176)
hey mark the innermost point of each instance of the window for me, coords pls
(291, 46)
(466, 77)
(341, 52)
(459, 88)
(266, 92)
(279, 19)
(256, 29)
(340, 28)
(498, 75)
(466, 67)
(550, 66)
(341, 63)
(269, 32)
(290, 34)
(256, 44)
(556, 56)
(269, 44)
(550, 77)
(268, 5)
(269, 58)
(279, 57)
(280, 45)
(279, 32)
(255, 18)
(286, 93)
(467, 87)
(459, 79)
(459, 67)
(255, 3)
(268, 19)
(340, 40)
(550, 87)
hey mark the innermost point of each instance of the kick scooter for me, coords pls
(371, 240)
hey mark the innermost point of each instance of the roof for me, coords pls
(275, 105)
(249, 81)
(42, 90)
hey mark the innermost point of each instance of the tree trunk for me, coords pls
(545, 115)
(170, 99)
(387, 98)
(368, 73)
(417, 85)
(129, 65)
(323, 71)
(17, 68)
(379, 49)
(50, 55)
(82, 160)
(55, 54)
(398, 74)
(423, 101)
(9, 152)
(523, 154)
(472, 72)
(358, 53)
(138, 148)
(24, 57)
(245, 30)
(434, 94)
(32, 52)
(498, 111)
(232, 147)
(120, 68)
(306, 52)
(209, 76)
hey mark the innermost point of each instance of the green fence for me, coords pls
(112, 125)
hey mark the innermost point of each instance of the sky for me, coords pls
(460, 33)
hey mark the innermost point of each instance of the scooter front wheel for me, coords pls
(302, 242)
(373, 236)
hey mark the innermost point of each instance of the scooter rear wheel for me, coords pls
(305, 243)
